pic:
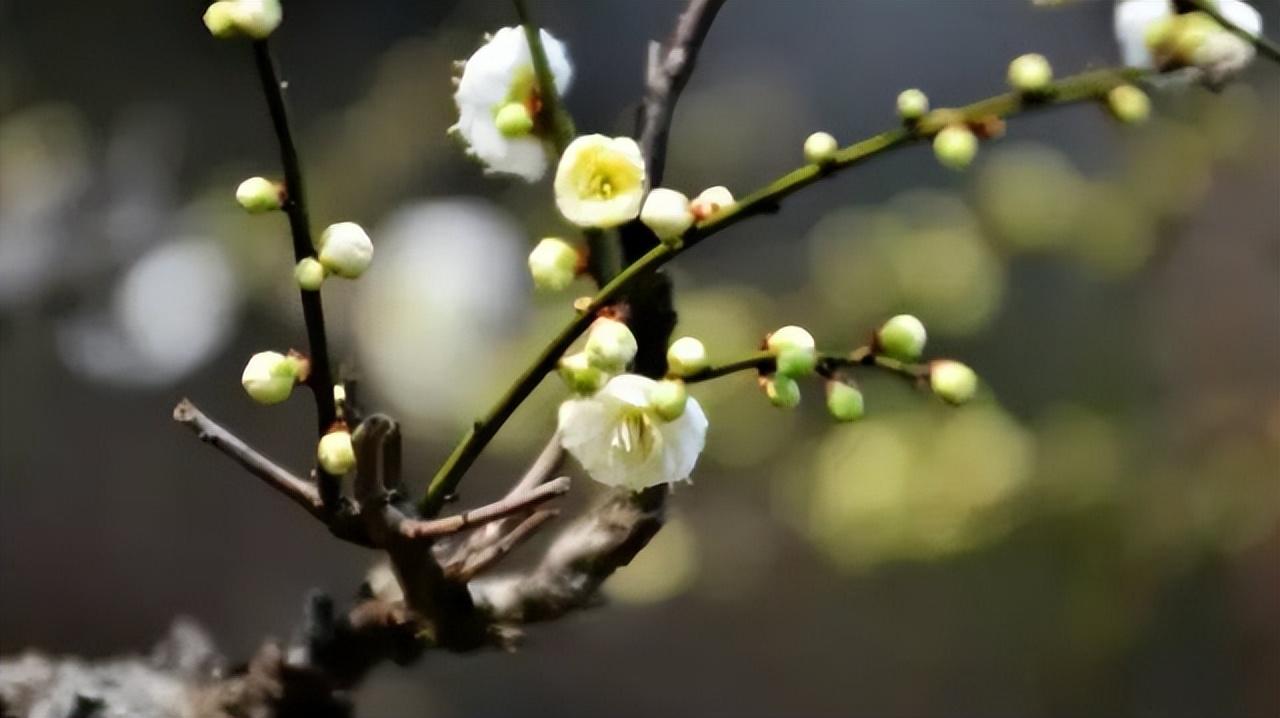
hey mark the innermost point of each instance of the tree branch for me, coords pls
(509, 505)
(828, 365)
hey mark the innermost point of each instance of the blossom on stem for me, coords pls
(553, 263)
(1153, 35)
(269, 377)
(666, 212)
(686, 356)
(600, 181)
(345, 249)
(255, 19)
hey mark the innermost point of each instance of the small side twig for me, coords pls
(507, 506)
(487, 558)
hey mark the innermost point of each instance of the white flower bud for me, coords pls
(912, 105)
(1030, 73)
(259, 194)
(335, 453)
(668, 399)
(844, 402)
(686, 356)
(255, 19)
(955, 146)
(513, 120)
(820, 148)
(711, 201)
(795, 350)
(952, 381)
(783, 391)
(902, 337)
(610, 345)
(220, 19)
(345, 249)
(269, 377)
(309, 274)
(580, 376)
(1129, 104)
(553, 264)
(667, 213)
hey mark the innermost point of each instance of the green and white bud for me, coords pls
(345, 249)
(902, 337)
(1030, 73)
(686, 356)
(255, 19)
(820, 148)
(259, 194)
(610, 345)
(220, 20)
(668, 399)
(952, 381)
(912, 105)
(710, 201)
(513, 120)
(335, 453)
(269, 377)
(955, 146)
(1129, 104)
(553, 263)
(580, 376)
(844, 402)
(795, 350)
(667, 213)
(310, 274)
(782, 390)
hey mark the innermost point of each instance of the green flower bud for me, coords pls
(955, 146)
(345, 249)
(220, 19)
(259, 194)
(668, 398)
(952, 381)
(1030, 73)
(580, 376)
(912, 105)
(255, 19)
(1129, 104)
(667, 213)
(795, 351)
(902, 337)
(335, 452)
(269, 377)
(513, 120)
(310, 274)
(553, 264)
(844, 401)
(820, 148)
(686, 356)
(610, 345)
(783, 391)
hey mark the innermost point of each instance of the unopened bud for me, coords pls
(955, 146)
(912, 105)
(902, 337)
(269, 377)
(259, 194)
(668, 398)
(580, 376)
(952, 381)
(220, 19)
(795, 350)
(820, 148)
(255, 19)
(513, 120)
(1030, 73)
(667, 213)
(553, 263)
(710, 201)
(686, 356)
(844, 402)
(335, 453)
(1129, 104)
(345, 249)
(310, 274)
(610, 345)
(782, 390)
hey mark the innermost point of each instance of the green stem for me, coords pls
(1266, 47)
(1083, 87)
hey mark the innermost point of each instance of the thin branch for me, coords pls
(320, 378)
(1088, 86)
(489, 557)
(507, 506)
(1266, 47)
(828, 364)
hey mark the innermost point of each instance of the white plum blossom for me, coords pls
(1136, 20)
(600, 181)
(499, 76)
(619, 438)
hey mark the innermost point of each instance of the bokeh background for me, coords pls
(1098, 535)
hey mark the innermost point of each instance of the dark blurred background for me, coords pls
(1097, 536)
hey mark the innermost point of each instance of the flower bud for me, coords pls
(1129, 104)
(666, 212)
(902, 337)
(513, 120)
(310, 274)
(668, 399)
(710, 201)
(844, 402)
(269, 377)
(912, 105)
(259, 194)
(955, 146)
(610, 345)
(258, 18)
(820, 148)
(345, 249)
(220, 19)
(580, 376)
(952, 381)
(782, 390)
(553, 264)
(686, 356)
(795, 351)
(335, 453)
(1030, 73)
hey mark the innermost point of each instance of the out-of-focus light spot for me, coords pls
(1080, 457)
(666, 568)
(1115, 237)
(1168, 168)
(1029, 196)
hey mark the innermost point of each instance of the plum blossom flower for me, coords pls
(498, 83)
(620, 439)
(600, 181)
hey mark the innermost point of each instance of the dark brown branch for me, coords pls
(320, 377)
(489, 557)
(507, 506)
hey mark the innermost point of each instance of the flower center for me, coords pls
(601, 187)
(635, 436)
